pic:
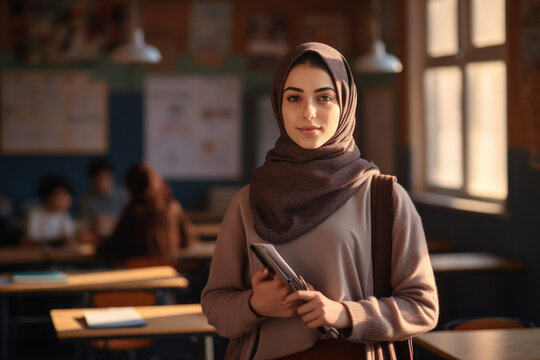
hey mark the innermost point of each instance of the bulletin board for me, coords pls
(53, 112)
(193, 126)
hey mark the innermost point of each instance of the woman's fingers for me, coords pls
(305, 295)
(260, 276)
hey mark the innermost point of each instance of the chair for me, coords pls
(484, 323)
(117, 299)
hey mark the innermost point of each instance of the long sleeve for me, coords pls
(413, 308)
(225, 299)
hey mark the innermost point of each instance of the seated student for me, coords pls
(100, 207)
(50, 223)
(153, 223)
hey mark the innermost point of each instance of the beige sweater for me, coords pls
(335, 257)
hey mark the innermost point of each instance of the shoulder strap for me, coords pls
(382, 219)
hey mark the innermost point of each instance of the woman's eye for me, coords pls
(325, 98)
(293, 98)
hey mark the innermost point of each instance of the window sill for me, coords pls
(497, 209)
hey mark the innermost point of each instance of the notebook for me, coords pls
(38, 277)
(113, 317)
(272, 260)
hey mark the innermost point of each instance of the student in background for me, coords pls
(153, 223)
(100, 207)
(50, 223)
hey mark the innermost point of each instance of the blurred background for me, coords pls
(185, 86)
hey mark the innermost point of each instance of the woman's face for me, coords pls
(310, 106)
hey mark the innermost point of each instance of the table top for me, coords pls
(501, 344)
(160, 320)
(200, 250)
(157, 277)
(43, 254)
(472, 262)
(437, 245)
(209, 230)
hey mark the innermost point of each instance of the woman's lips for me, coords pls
(309, 130)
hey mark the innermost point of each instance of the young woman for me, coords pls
(153, 223)
(311, 199)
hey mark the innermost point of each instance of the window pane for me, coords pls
(486, 126)
(488, 25)
(444, 163)
(441, 29)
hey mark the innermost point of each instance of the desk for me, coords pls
(436, 245)
(472, 262)
(161, 320)
(200, 250)
(31, 255)
(503, 344)
(158, 277)
(207, 230)
(153, 278)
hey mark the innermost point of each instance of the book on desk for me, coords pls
(113, 317)
(38, 277)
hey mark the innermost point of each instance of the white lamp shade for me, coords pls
(378, 61)
(136, 51)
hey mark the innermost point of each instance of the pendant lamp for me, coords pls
(377, 60)
(136, 50)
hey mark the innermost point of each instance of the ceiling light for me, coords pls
(377, 60)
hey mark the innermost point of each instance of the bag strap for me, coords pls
(382, 220)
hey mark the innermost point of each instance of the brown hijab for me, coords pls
(296, 189)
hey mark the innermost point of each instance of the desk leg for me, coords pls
(5, 326)
(208, 347)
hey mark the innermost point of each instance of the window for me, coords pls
(458, 102)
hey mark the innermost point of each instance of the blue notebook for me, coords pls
(38, 276)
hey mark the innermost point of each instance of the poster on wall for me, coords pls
(53, 112)
(192, 126)
(64, 32)
(210, 31)
(267, 40)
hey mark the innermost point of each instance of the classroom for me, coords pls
(130, 129)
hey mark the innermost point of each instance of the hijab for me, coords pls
(296, 189)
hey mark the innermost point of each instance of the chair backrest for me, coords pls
(123, 298)
(147, 261)
(488, 323)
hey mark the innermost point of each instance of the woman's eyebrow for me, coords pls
(324, 89)
(293, 89)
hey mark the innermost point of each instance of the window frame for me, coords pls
(417, 61)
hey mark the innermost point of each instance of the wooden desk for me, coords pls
(158, 277)
(33, 255)
(209, 230)
(472, 262)
(206, 216)
(201, 250)
(161, 320)
(153, 278)
(436, 245)
(507, 344)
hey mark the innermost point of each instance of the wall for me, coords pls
(166, 24)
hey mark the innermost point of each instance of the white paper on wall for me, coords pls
(192, 126)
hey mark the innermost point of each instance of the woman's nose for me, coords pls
(309, 111)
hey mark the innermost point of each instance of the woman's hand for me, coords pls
(319, 310)
(268, 296)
